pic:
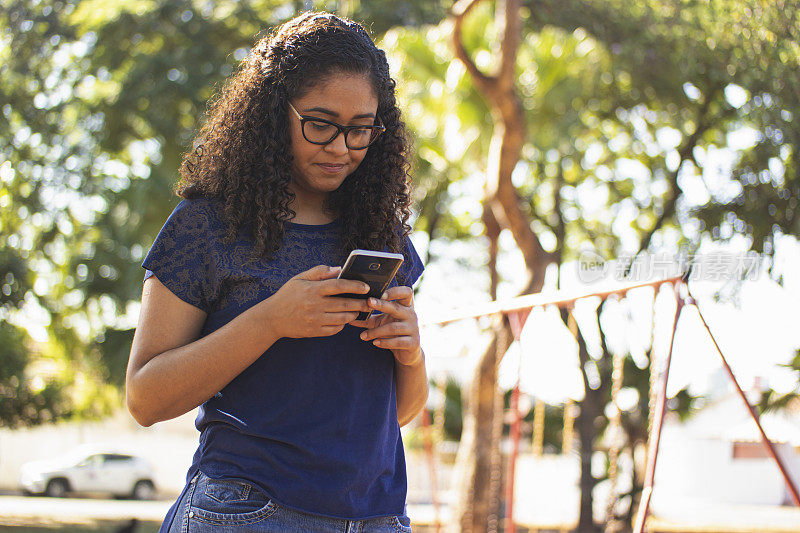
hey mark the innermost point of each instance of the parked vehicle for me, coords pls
(89, 470)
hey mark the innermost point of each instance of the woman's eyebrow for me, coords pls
(336, 115)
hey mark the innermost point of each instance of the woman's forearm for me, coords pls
(178, 380)
(412, 389)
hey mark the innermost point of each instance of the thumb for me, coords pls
(319, 273)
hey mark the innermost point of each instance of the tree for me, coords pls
(89, 170)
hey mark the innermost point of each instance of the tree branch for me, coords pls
(685, 153)
(460, 10)
(603, 342)
(583, 353)
(605, 363)
(560, 229)
(433, 223)
(493, 229)
(509, 42)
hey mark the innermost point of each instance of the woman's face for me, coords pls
(348, 100)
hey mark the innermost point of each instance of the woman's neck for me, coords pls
(311, 211)
(313, 219)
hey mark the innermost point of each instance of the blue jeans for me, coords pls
(238, 506)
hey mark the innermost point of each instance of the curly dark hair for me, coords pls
(242, 154)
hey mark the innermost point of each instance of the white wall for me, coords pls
(704, 468)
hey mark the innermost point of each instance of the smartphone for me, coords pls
(376, 269)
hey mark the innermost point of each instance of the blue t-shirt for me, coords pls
(313, 421)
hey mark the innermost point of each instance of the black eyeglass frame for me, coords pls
(339, 129)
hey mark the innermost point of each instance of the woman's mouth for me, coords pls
(331, 168)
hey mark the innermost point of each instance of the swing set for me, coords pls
(517, 310)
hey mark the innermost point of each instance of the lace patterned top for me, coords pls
(313, 421)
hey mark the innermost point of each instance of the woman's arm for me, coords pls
(397, 329)
(412, 389)
(171, 371)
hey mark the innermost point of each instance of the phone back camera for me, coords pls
(369, 266)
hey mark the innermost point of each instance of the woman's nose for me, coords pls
(337, 145)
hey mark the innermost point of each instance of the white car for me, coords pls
(82, 470)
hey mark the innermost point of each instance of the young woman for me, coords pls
(301, 160)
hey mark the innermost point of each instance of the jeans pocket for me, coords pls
(229, 502)
(401, 524)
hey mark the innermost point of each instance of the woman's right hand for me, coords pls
(307, 305)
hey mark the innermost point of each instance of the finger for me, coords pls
(392, 309)
(404, 342)
(338, 319)
(331, 287)
(319, 272)
(335, 304)
(327, 331)
(375, 321)
(391, 329)
(401, 294)
(372, 322)
(378, 320)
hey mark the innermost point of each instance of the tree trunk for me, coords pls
(591, 407)
(586, 437)
(478, 461)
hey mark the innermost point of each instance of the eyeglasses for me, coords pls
(321, 131)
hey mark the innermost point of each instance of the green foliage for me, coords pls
(571, 111)
(23, 401)
(450, 125)
(16, 279)
(113, 347)
(453, 410)
(714, 68)
(627, 107)
(553, 432)
(379, 16)
(772, 401)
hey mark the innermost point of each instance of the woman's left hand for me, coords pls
(396, 328)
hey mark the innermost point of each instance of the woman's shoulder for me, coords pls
(205, 212)
(198, 206)
(412, 266)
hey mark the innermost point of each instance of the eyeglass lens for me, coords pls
(322, 133)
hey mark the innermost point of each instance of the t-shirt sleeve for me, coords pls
(180, 256)
(412, 266)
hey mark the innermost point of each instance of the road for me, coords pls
(18, 510)
(23, 510)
